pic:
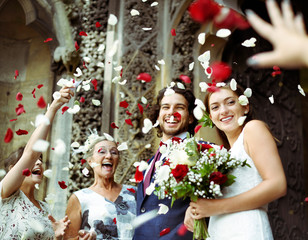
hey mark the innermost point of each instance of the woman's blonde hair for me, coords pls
(91, 144)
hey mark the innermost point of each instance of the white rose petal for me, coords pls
(156, 124)
(201, 38)
(123, 82)
(96, 102)
(200, 104)
(144, 100)
(76, 83)
(163, 209)
(85, 172)
(233, 84)
(243, 100)
(37, 186)
(191, 66)
(60, 147)
(70, 165)
(101, 47)
(220, 84)
(75, 109)
(75, 145)
(169, 92)
(161, 62)
(134, 12)
(180, 85)
(100, 64)
(248, 92)
(41, 119)
(112, 20)
(163, 174)
(86, 87)
(157, 67)
(250, 42)
(47, 173)
(163, 149)
(271, 98)
(118, 68)
(79, 72)
(123, 146)
(241, 120)
(109, 138)
(205, 57)
(203, 86)
(150, 189)
(222, 33)
(114, 48)
(2, 173)
(143, 218)
(122, 94)
(56, 95)
(116, 79)
(143, 166)
(301, 90)
(40, 145)
(148, 146)
(62, 82)
(153, 4)
(87, 59)
(147, 125)
(146, 29)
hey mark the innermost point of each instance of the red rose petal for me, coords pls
(64, 109)
(12, 120)
(47, 40)
(84, 65)
(76, 46)
(140, 108)
(16, 74)
(123, 104)
(83, 33)
(129, 122)
(185, 78)
(144, 77)
(173, 33)
(8, 136)
(197, 128)
(276, 68)
(228, 18)
(128, 113)
(306, 199)
(113, 125)
(182, 230)
(19, 96)
(221, 71)
(164, 231)
(121, 73)
(62, 184)
(33, 92)
(138, 175)
(94, 82)
(131, 190)
(20, 109)
(114, 221)
(203, 11)
(53, 148)
(21, 132)
(40, 86)
(83, 161)
(177, 115)
(82, 99)
(41, 102)
(97, 24)
(26, 172)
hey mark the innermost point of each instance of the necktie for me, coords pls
(148, 177)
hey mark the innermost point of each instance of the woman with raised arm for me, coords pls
(241, 213)
(22, 216)
(106, 209)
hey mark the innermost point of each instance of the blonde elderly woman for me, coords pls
(106, 209)
(22, 216)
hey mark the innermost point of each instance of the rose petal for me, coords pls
(109, 137)
(143, 218)
(203, 11)
(21, 132)
(64, 109)
(144, 77)
(150, 189)
(241, 120)
(164, 231)
(123, 146)
(199, 103)
(146, 28)
(114, 48)
(177, 115)
(248, 92)
(271, 98)
(83, 33)
(250, 42)
(129, 122)
(169, 92)
(243, 100)
(83, 161)
(201, 38)
(113, 125)
(131, 190)
(162, 62)
(197, 128)
(8, 136)
(198, 112)
(16, 74)
(203, 86)
(94, 82)
(223, 33)
(220, 71)
(140, 108)
(26, 172)
(114, 221)
(19, 96)
(173, 33)
(301, 90)
(85, 172)
(123, 104)
(60, 147)
(128, 113)
(153, 4)
(40, 145)
(182, 230)
(47, 40)
(41, 119)
(191, 66)
(96, 102)
(147, 125)
(185, 78)
(20, 109)
(56, 95)
(233, 84)
(97, 24)
(79, 72)
(112, 20)
(134, 12)
(76, 46)
(12, 120)
(41, 102)
(62, 184)
(163, 209)
(144, 100)
(138, 175)
(180, 85)
(48, 173)
(228, 18)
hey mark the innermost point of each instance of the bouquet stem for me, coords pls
(200, 229)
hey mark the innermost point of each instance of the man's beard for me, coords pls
(175, 132)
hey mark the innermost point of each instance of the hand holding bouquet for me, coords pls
(196, 170)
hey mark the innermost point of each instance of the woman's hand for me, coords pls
(203, 208)
(60, 226)
(86, 235)
(188, 220)
(65, 96)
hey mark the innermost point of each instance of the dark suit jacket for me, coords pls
(173, 219)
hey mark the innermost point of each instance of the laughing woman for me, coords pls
(22, 216)
(106, 209)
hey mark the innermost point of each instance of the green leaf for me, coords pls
(231, 179)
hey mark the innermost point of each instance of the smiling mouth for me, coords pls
(226, 119)
(107, 165)
(36, 172)
(171, 120)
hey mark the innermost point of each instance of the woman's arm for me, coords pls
(14, 178)
(73, 212)
(261, 147)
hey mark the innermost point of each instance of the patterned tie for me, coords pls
(148, 177)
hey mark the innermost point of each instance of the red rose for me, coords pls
(203, 11)
(176, 139)
(179, 172)
(204, 146)
(218, 178)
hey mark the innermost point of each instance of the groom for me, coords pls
(174, 111)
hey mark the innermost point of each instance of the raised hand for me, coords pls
(60, 226)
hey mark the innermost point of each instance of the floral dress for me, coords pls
(21, 219)
(110, 220)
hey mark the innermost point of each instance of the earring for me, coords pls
(246, 112)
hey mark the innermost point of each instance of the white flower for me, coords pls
(243, 100)
(241, 120)
(134, 12)
(163, 209)
(223, 33)
(233, 84)
(147, 125)
(47, 173)
(201, 38)
(112, 20)
(162, 174)
(250, 42)
(300, 89)
(56, 95)
(123, 146)
(248, 92)
(40, 145)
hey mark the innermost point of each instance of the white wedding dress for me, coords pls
(245, 225)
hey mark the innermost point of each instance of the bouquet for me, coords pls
(196, 170)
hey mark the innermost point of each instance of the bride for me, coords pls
(241, 213)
